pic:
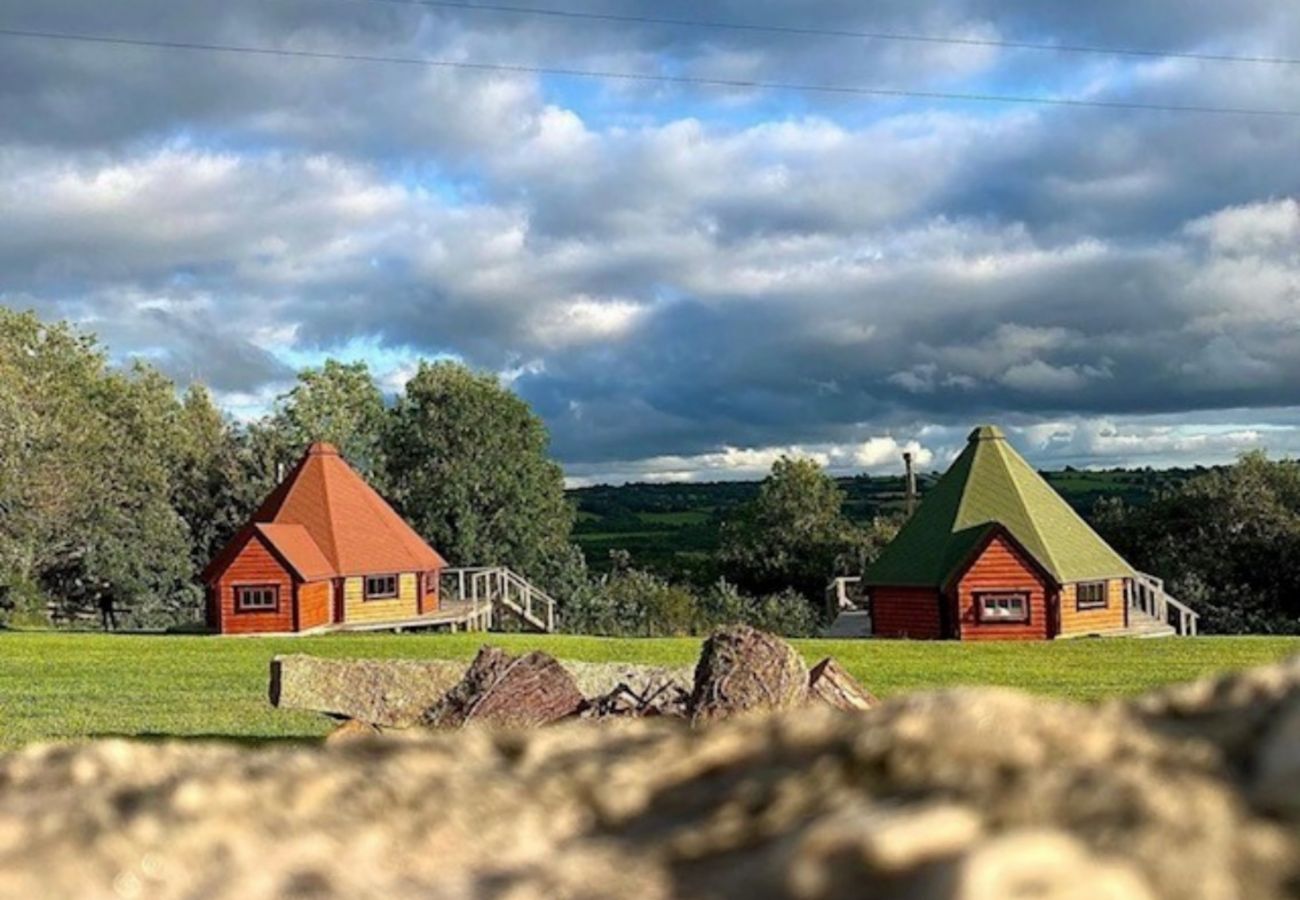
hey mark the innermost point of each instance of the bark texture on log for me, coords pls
(742, 669)
(508, 691)
(388, 692)
(648, 701)
(829, 683)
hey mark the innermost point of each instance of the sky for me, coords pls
(687, 280)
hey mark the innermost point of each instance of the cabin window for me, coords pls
(1003, 607)
(257, 598)
(381, 587)
(1091, 595)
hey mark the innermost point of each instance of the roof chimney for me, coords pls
(911, 484)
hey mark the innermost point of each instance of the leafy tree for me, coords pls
(635, 602)
(795, 534)
(85, 483)
(1226, 542)
(469, 468)
(786, 612)
(338, 403)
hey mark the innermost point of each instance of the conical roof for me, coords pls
(326, 521)
(991, 485)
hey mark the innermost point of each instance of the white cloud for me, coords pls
(587, 319)
(879, 453)
(668, 273)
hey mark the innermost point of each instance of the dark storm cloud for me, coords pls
(665, 272)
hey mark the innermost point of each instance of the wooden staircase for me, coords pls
(503, 592)
(847, 610)
(1153, 613)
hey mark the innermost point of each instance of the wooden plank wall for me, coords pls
(901, 612)
(1002, 567)
(1076, 621)
(314, 604)
(356, 608)
(255, 564)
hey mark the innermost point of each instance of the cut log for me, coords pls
(390, 692)
(665, 698)
(829, 683)
(509, 692)
(742, 669)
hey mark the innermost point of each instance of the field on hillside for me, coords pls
(673, 529)
(56, 686)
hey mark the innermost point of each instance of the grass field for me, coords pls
(91, 685)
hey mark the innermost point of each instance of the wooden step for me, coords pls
(853, 623)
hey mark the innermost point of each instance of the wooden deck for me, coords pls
(452, 615)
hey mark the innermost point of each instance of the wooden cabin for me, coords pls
(324, 549)
(994, 553)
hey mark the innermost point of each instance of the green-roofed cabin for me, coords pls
(993, 552)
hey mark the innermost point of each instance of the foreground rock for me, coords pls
(508, 692)
(392, 693)
(742, 669)
(970, 794)
(829, 683)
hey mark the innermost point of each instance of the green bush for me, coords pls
(23, 605)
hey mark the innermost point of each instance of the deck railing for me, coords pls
(1146, 594)
(504, 591)
(843, 594)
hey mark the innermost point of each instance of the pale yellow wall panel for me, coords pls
(1076, 621)
(358, 609)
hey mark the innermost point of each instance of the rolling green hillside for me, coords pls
(673, 529)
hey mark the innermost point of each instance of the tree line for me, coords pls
(1227, 542)
(115, 486)
(117, 489)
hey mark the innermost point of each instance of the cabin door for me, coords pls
(948, 618)
(338, 601)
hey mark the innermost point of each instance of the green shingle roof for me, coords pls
(991, 485)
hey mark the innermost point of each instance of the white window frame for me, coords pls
(1083, 605)
(381, 595)
(1002, 607)
(243, 591)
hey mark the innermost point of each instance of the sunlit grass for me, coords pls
(55, 686)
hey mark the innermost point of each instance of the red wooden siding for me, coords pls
(1003, 567)
(255, 564)
(902, 612)
(314, 604)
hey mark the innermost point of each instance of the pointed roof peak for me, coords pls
(990, 484)
(986, 433)
(351, 525)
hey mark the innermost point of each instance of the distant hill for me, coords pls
(673, 529)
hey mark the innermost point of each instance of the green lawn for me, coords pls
(89, 685)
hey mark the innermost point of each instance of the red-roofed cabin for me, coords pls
(323, 549)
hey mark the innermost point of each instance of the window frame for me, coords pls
(367, 594)
(1082, 605)
(242, 608)
(984, 618)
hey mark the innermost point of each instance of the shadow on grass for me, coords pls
(250, 741)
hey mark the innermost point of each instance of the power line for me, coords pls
(651, 77)
(805, 31)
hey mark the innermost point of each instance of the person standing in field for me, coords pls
(107, 614)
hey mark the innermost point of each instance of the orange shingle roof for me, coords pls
(327, 522)
(295, 544)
